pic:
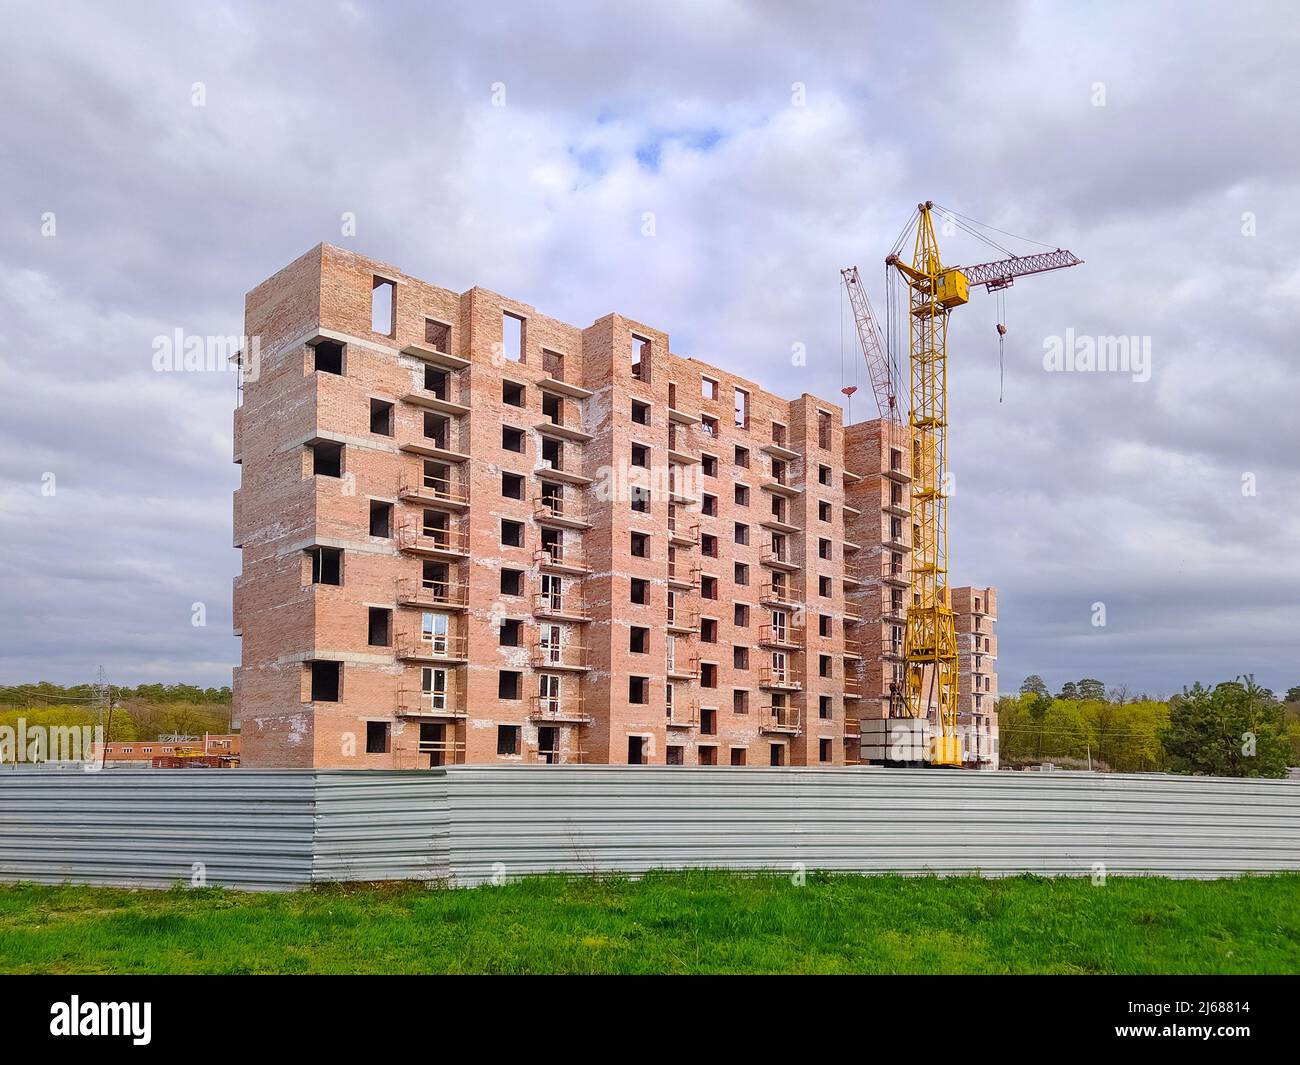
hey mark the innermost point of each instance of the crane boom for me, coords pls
(1003, 272)
(873, 345)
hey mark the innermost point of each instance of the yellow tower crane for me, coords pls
(933, 291)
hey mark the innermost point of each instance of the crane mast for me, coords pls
(930, 641)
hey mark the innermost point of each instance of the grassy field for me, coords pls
(694, 922)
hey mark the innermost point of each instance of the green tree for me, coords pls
(1128, 735)
(1293, 694)
(168, 718)
(1033, 685)
(1233, 730)
(1067, 732)
(1092, 689)
(123, 728)
(1020, 722)
(1018, 730)
(1069, 690)
(1293, 731)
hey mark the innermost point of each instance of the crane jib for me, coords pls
(1001, 273)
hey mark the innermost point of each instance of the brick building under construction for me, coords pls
(473, 533)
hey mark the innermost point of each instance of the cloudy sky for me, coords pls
(158, 160)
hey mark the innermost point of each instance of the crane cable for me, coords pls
(907, 228)
(984, 225)
(1001, 304)
(977, 229)
(969, 225)
(848, 396)
(893, 323)
(893, 343)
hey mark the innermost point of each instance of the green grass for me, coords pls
(691, 922)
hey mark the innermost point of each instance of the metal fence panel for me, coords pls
(381, 825)
(514, 821)
(250, 830)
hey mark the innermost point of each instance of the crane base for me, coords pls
(945, 750)
(908, 741)
(895, 740)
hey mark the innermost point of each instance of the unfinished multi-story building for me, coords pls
(977, 678)
(473, 533)
(879, 518)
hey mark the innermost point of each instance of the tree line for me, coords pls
(142, 713)
(43, 693)
(1235, 728)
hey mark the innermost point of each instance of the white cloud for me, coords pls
(1076, 488)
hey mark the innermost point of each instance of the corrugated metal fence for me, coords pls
(380, 826)
(262, 830)
(866, 820)
(157, 828)
(273, 829)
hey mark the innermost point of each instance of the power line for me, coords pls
(27, 693)
(1071, 732)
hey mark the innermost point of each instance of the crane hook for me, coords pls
(1002, 330)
